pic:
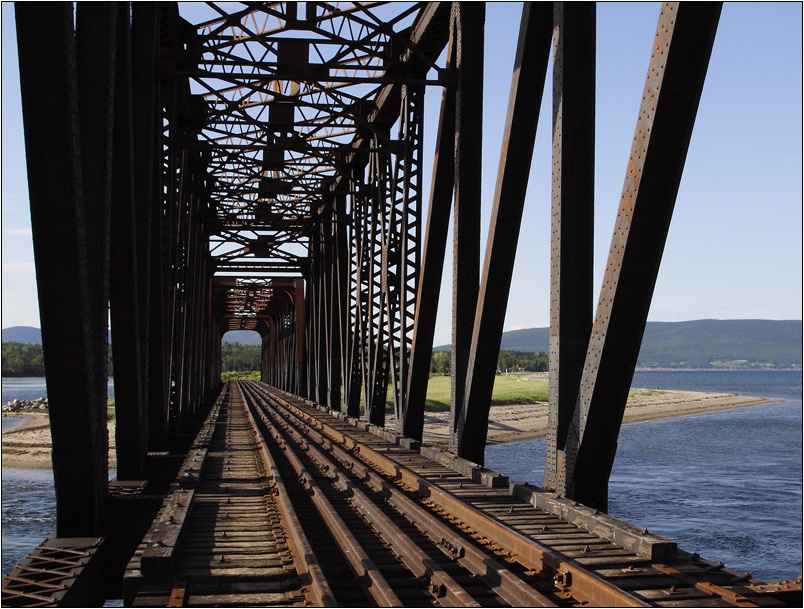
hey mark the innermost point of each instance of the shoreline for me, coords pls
(28, 445)
(518, 422)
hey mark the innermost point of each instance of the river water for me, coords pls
(725, 484)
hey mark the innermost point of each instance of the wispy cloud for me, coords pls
(18, 232)
(19, 267)
(14, 202)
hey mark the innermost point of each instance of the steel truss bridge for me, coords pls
(259, 166)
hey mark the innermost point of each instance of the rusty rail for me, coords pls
(369, 576)
(566, 573)
(307, 565)
(481, 563)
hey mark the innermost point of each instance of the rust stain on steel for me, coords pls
(528, 552)
(682, 45)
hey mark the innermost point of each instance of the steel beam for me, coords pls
(95, 49)
(333, 310)
(468, 23)
(147, 158)
(403, 258)
(342, 301)
(125, 303)
(435, 244)
(572, 215)
(297, 352)
(47, 58)
(527, 86)
(681, 50)
(144, 88)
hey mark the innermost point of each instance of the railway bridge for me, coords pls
(195, 169)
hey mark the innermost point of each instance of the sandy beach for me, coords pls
(28, 446)
(516, 422)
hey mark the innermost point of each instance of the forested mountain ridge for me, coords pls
(22, 334)
(703, 343)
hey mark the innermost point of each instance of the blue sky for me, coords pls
(735, 245)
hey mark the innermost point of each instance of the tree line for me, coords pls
(507, 361)
(26, 359)
(20, 359)
(240, 358)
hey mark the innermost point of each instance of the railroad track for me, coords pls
(220, 537)
(356, 519)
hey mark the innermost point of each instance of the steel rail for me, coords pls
(367, 573)
(483, 564)
(439, 583)
(731, 596)
(307, 566)
(567, 573)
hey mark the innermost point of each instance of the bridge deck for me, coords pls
(379, 520)
(231, 548)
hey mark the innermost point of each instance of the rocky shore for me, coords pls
(25, 405)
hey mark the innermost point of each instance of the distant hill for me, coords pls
(22, 334)
(704, 343)
(30, 335)
(244, 337)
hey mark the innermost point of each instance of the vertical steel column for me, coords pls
(375, 284)
(572, 233)
(192, 314)
(309, 326)
(298, 380)
(333, 313)
(174, 238)
(468, 21)
(265, 352)
(47, 58)
(198, 289)
(342, 299)
(681, 50)
(125, 302)
(527, 87)
(145, 93)
(357, 304)
(212, 352)
(319, 317)
(179, 350)
(95, 50)
(401, 256)
(362, 255)
(142, 122)
(268, 352)
(432, 266)
(171, 163)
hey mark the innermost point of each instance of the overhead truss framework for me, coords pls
(309, 123)
(311, 141)
(265, 161)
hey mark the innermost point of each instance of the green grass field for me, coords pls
(508, 389)
(254, 375)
